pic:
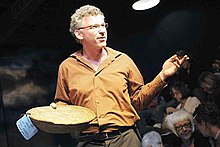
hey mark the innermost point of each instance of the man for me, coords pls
(207, 117)
(107, 82)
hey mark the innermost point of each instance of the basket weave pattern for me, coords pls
(63, 119)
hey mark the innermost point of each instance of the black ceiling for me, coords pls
(46, 22)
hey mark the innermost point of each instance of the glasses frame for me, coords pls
(95, 26)
(186, 126)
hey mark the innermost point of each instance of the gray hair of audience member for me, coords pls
(152, 139)
(180, 115)
(77, 17)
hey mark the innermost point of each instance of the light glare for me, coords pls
(144, 4)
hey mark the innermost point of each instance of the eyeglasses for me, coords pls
(186, 126)
(95, 26)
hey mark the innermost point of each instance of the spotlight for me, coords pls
(145, 4)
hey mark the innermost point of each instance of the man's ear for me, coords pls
(78, 34)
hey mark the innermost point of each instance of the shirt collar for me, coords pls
(113, 54)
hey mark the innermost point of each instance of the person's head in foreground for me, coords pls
(152, 139)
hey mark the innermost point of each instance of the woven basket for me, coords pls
(63, 119)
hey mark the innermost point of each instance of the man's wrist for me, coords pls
(162, 76)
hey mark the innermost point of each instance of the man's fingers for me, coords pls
(177, 64)
(184, 59)
(173, 58)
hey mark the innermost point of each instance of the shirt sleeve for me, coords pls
(142, 94)
(61, 93)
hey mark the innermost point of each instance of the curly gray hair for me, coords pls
(84, 11)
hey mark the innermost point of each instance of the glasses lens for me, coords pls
(96, 26)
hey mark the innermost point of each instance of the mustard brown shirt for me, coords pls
(115, 91)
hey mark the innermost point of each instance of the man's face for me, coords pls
(184, 129)
(203, 128)
(93, 31)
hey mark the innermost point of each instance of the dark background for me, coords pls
(35, 38)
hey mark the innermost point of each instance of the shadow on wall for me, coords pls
(181, 29)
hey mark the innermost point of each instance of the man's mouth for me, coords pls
(101, 38)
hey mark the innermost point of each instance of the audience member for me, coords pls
(181, 92)
(208, 89)
(216, 68)
(152, 139)
(207, 117)
(181, 124)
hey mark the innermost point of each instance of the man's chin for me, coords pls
(103, 46)
(100, 46)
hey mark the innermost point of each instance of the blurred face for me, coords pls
(184, 129)
(207, 88)
(93, 33)
(176, 94)
(185, 64)
(203, 128)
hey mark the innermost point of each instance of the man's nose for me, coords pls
(101, 30)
